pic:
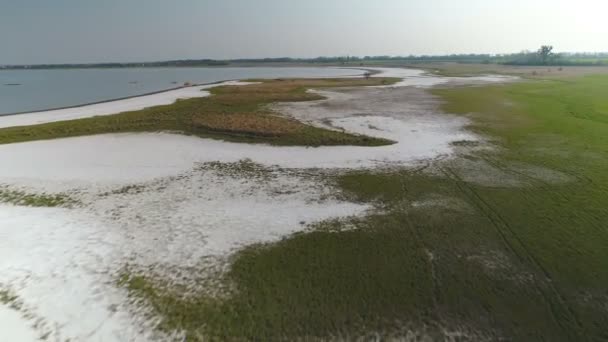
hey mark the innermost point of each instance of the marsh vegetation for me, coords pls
(503, 244)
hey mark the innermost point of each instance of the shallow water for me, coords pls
(110, 107)
(32, 90)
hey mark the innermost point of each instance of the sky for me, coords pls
(73, 31)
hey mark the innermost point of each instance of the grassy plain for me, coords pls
(496, 262)
(444, 255)
(234, 113)
(533, 72)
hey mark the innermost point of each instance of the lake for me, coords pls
(33, 90)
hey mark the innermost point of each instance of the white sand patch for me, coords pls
(130, 157)
(410, 77)
(63, 264)
(207, 213)
(53, 259)
(111, 107)
(13, 327)
(422, 79)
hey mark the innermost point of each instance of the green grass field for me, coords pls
(233, 113)
(520, 261)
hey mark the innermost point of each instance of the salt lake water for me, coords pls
(33, 90)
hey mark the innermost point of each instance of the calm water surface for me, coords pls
(46, 89)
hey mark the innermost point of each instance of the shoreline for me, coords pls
(114, 99)
(155, 93)
(110, 107)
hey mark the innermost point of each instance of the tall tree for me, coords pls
(545, 53)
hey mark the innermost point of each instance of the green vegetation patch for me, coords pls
(245, 168)
(11, 300)
(521, 263)
(234, 113)
(22, 198)
(7, 297)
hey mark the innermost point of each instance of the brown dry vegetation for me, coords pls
(243, 123)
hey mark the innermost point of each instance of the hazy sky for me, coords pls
(56, 31)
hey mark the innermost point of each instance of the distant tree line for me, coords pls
(472, 58)
(175, 63)
(544, 56)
